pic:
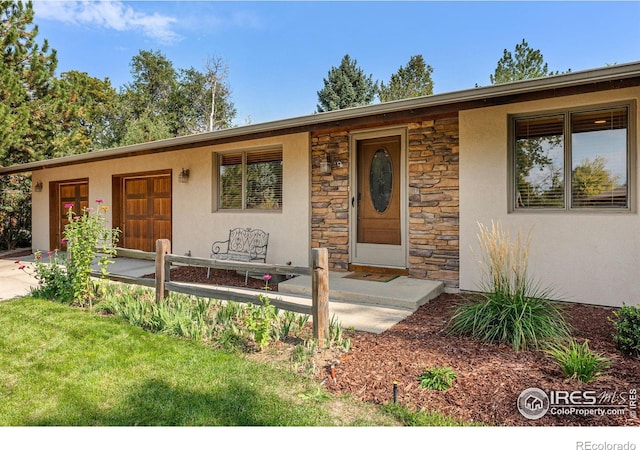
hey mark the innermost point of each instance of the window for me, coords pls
(250, 180)
(572, 160)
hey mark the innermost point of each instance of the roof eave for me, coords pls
(572, 79)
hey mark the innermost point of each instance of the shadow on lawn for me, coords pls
(156, 403)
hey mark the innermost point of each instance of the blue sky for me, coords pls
(279, 52)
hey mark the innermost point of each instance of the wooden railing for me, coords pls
(319, 309)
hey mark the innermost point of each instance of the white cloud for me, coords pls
(113, 15)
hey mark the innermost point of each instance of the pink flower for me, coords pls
(89, 209)
(99, 200)
(68, 205)
(39, 256)
(21, 267)
(49, 253)
(64, 241)
(267, 277)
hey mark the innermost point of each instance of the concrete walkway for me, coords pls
(364, 305)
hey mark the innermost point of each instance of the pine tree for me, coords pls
(28, 99)
(346, 86)
(414, 80)
(28, 94)
(526, 64)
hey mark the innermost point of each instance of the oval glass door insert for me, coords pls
(380, 180)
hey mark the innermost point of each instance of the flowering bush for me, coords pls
(53, 279)
(86, 237)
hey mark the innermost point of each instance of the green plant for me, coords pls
(577, 360)
(626, 321)
(286, 322)
(335, 336)
(301, 321)
(290, 323)
(302, 356)
(229, 312)
(260, 319)
(181, 315)
(133, 304)
(513, 309)
(439, 377)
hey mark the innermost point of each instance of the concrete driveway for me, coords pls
(13, 281)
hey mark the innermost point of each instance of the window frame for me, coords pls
(567, 114)
(217, 180)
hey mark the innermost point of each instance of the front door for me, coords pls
(377, 203)
(64, 194)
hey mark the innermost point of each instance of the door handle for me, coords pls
(353, 202)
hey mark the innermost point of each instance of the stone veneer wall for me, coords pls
(433, 194)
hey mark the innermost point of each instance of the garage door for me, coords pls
(145, 210)
(73, 193)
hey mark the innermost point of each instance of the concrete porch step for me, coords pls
(400, 293)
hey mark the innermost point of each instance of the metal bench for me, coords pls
(244, 244)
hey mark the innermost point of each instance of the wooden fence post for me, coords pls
(320, 293)
(163, 247)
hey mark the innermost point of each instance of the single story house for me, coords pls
(400, 185)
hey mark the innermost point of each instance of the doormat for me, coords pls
(370, 276)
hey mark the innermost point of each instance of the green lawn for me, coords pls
(66, 366)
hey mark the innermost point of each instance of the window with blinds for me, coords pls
(540, 162)
(251, 180)
(599, 159)
(572, 160)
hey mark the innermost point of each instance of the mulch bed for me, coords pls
(490, 377)
(217, 277)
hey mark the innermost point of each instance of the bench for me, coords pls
(244, 244)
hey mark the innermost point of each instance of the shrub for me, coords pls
(440, 378)
(514, 309)
(54, 282)
(577, 360)
(627, 330)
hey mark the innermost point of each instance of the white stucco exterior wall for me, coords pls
(588, 257)
(195, 222)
